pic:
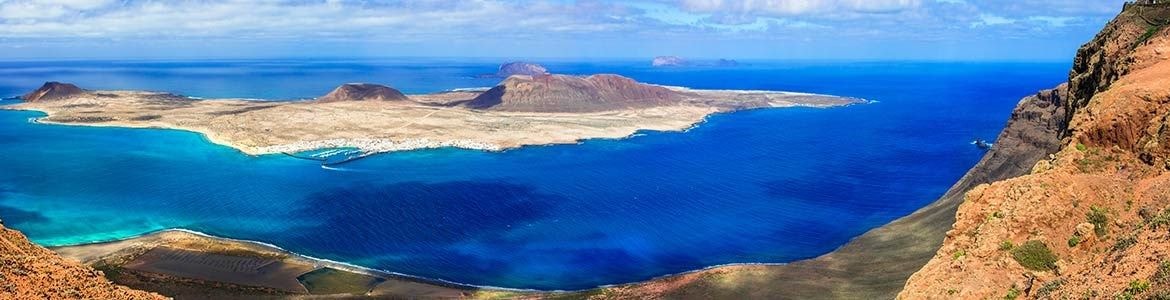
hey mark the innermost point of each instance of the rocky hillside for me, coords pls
(363, 92)
(1092, 220)
(28, 271)
(565, 93)
(53, 91)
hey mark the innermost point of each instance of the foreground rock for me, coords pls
(28, 271)
(363, 92)
(1091, 220)
(53, 91)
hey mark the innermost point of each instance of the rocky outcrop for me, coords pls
(53, 91)
(363, 92)
(564, 93)
(1090, 220)
(722, 62)
(28, 271)
(668, 61)
(521, 68)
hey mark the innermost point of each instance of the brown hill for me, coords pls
(564, 93)
(28, 271)
(1091, 220)
(363, 92)
(53, 91)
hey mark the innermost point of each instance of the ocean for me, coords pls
(759, 186)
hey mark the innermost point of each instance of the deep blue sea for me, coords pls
(773, 185)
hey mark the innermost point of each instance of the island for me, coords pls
(522, 110)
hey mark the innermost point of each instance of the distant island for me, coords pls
(521, 110)
(521, 68)
(676, 61)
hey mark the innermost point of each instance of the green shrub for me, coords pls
(1012, 294)
(1074, 241)
(1162, 275)
(1049, 287)
(1124, 243)
(1035, 255)
(1006, 245)
(1082, 147)
(1161, 220)
(1099, 217)
(1150, 32)
(1136, 287)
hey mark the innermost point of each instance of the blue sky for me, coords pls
(747, 29)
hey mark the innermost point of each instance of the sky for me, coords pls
(964, 30)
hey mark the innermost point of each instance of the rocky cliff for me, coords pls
(1092, 220)
(28, 271)
(565, 93)
(53, 91)
(363, 92)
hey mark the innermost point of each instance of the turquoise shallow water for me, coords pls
(756, 186)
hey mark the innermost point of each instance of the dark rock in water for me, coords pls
(53, 91)
(563, 93)
(363, 92)
(521, 68)
(726, 63)
(668, 61)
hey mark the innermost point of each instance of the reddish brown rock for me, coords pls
(363, 92)
(564, 93)
(1101, 204)
(53, 91)
(28, 271)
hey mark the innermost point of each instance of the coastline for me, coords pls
(373, 146)
(358, 269)
(354, 268)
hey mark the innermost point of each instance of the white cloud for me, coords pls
(1053, 21)
(274, 18)
(991, 20)
(797, 7)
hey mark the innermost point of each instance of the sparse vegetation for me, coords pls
(958, 254)
(1035, 255)
(1006, 246)
(1162, 275)
(1099, 217)
(1161, 220)
(1049, 287)
(1082, 147)
(1124, 243)
(1074, 240)
(1150, 32)
(1012, 294)
(1136, 287)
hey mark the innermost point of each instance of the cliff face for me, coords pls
(53, 91)
(564, 93)
(28, 271)
(1093, 219)
(363, 92)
